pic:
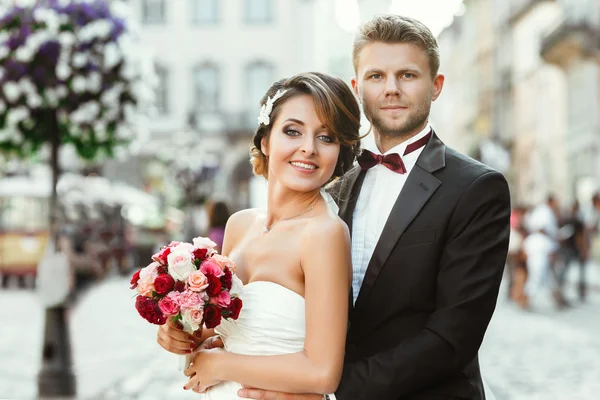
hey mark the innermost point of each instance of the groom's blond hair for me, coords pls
(391, 28)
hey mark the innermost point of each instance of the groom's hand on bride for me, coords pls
(259, 394)
(172, 338)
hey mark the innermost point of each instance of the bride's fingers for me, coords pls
(175, 346)
(192, 383)
(189, 371)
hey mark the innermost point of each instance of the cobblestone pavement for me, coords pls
(541, 354)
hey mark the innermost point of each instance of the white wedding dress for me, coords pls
(271, 322)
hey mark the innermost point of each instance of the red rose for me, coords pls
(179, 286)
(162, 256)
(212, 316)
(134, 279)
(162, 270)
(235, 307)
(149, 310)
(200, 254)
(163, 283)
(226, 279)
(214, 286)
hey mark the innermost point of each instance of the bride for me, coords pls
(294, 259)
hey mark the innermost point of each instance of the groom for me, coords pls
(429, 230)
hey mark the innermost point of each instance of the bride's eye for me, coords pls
(291, 132)
(327, 139)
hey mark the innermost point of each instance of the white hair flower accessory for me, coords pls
(265, 110)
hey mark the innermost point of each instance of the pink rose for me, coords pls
(145, 288)
(223, 299)
(197, 281)
(224, 262)
(211, 267)
(173, 243)
(168, 306)
(189, 299)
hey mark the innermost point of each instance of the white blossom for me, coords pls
(27, 85)
(94, 82)
(16, 115)
(34, 100)
(12, 91)
(79, 60)
(112, 56)
(63, 71)
(66, 39)
(24, 54)
(51, 97)
(61, 91)
(100, 131)
(4, 50)
(78, 84)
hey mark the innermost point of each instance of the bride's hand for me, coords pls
(173, 339)
(203, 368)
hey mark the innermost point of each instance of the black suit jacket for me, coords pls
(432, 283)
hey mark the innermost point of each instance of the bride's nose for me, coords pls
(308, 145)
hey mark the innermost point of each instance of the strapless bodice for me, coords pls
(271, 322)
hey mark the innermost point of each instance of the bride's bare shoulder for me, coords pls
(242, 220)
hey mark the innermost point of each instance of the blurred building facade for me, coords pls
(214, 62)
(522, 78)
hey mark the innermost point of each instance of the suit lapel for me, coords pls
(418, 188)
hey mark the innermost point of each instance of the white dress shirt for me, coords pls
(378, 194)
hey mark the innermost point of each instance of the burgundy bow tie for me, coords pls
(392, 161)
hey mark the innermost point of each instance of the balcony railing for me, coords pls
(519, 8)
(570, 38)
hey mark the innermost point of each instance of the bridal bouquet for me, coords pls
(189, 283)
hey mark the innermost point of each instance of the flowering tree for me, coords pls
(70, 72)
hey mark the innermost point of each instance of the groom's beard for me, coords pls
(405, 126)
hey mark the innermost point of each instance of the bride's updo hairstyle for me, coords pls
(336, 107)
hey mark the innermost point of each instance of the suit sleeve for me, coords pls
(468, 281)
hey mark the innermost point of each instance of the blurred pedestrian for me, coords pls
(218, 214)
(540, 248)
(516, 260)
(574, 248)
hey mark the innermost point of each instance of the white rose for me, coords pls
(203, 243)
(191, 319)
(180, 264)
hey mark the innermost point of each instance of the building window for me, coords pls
(259, 77)
(206, 88)
(153, 11)
(258, 11)
(162, 92)
(205, 12)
